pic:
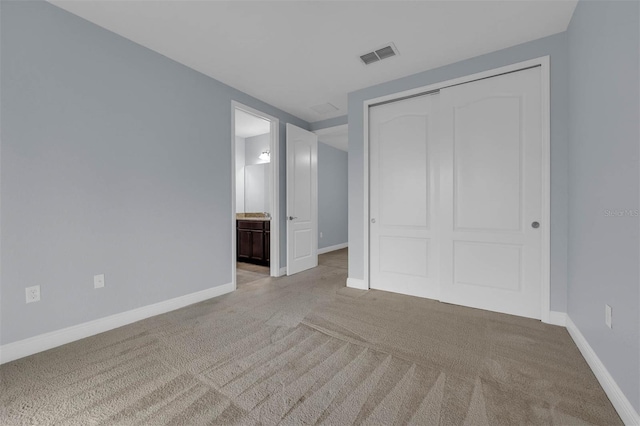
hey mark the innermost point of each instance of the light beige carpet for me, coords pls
(305, 350)
(247, 272)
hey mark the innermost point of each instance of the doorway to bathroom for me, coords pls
(255, 187)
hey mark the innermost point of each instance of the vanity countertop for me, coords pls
(262, 219)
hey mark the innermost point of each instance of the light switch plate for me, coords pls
(98, 281)
(608, 316)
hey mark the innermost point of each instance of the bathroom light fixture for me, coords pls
(265, 156)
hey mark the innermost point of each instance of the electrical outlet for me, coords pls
(608, 316)
(33, 294)
(98, 281)
(320, 234)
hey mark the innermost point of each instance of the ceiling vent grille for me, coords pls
(385, 52)
(324, 109)
(369, 58)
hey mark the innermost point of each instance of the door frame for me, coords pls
(274, 181)
(543, 62)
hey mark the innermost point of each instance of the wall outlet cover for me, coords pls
(98, 281)
(33, 294)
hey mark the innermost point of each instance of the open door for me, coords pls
(302, 200)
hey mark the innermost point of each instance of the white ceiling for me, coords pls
(295, 55)
(248, 125)
(337, 136)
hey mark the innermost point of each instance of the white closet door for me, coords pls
(403, 193)
(491, 194)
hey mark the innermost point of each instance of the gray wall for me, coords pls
(115, 160)
(330, 122)
(554, 46)
(332, 196)
(604, 180)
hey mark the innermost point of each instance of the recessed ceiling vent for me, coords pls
(324, 109)
(379, 54)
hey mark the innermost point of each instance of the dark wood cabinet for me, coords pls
(253, 241)
(244, 244)
(257, 246)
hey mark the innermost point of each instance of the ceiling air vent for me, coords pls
(369, 58)
(379, 54)
(385, 52)
(324, 109)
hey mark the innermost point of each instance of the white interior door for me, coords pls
(302, 200)
(404, 175)
(491, 193)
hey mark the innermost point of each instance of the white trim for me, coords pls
(274, 181)
(557, 318)
(620, 402)
(546, 163)
(332, 248)
(33, 345)
(283, 271)
(365, 195)
(234, 192)
(545, 259)
(357, 283)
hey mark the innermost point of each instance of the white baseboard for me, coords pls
(557, 318)
(357, 283)
(620, 402)
(332, 248)
(33, 345)
(283, 271)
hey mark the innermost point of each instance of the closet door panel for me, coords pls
(403, 174)
(491, 194)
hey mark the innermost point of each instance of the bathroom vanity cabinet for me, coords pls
(253, 241)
